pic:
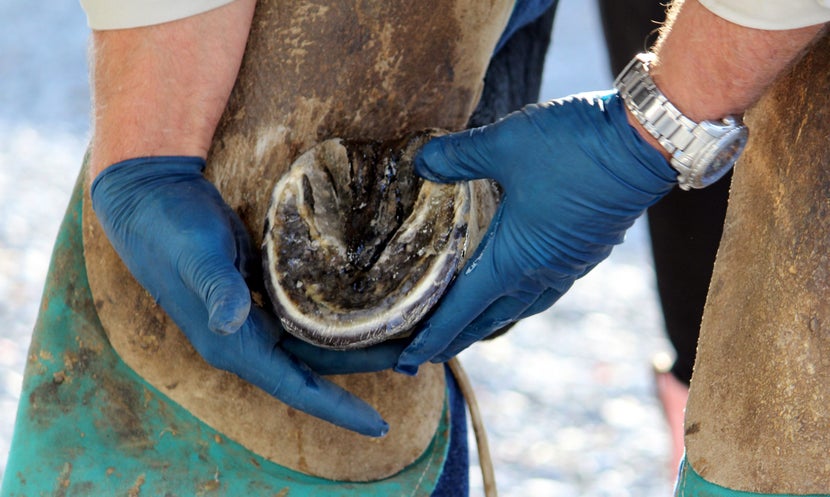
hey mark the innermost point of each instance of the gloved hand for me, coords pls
(184, 244)
(575, 176)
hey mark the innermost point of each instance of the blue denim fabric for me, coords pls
(455, 478)
(524, 12)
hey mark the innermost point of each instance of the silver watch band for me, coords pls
(654, 111)
(685, 139)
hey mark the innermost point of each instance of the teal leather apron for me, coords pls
(691, 484)
(88, 425)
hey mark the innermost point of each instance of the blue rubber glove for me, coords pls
(575, 177)
(184, 245)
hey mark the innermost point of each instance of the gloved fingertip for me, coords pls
(416, 353)
(224, 328)
(433, 163)
(383, 430)
(369, 423)
(228, 317)
(407, 369)
(229, 306)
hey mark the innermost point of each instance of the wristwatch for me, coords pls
(701, 152)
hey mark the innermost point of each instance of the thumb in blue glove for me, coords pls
(575, 177)
(187, 248)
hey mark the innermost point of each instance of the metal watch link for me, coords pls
(701, 152)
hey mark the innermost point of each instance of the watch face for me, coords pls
(719, 158)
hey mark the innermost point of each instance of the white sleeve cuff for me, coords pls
(771, 14)
(120, 14)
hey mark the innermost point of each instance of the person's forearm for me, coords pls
(160, 90)
(710, 68)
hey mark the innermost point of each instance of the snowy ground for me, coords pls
(567, 395)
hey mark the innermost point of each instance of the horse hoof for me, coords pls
(357, 248)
